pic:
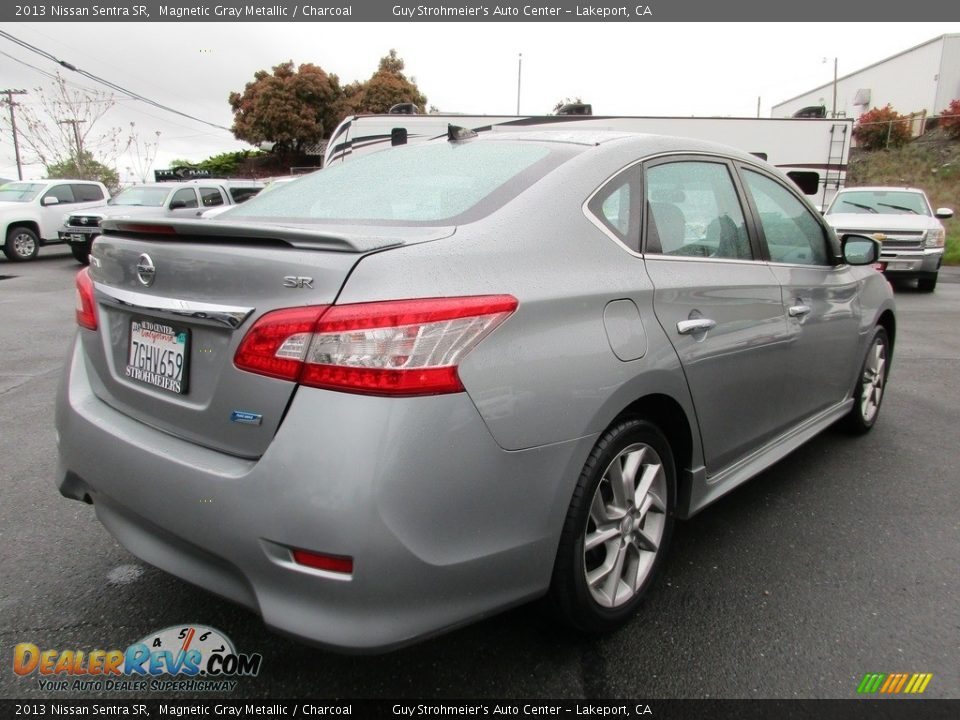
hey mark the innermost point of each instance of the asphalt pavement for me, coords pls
(840, 560)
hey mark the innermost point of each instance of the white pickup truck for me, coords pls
(31, 212)
(189, 199)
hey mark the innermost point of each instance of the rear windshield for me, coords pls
(413, 185)
(880, 202)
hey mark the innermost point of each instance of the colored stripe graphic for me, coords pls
(894, 683)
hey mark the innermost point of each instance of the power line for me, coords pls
(108, 83)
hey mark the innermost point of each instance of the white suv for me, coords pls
(31, 212)
(908, 229)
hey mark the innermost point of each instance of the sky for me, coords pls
(620, 68)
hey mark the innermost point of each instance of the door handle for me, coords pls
(687, 327)
(798, 310)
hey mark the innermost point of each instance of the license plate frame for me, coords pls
(152, 351)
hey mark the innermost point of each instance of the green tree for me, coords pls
(86, 169)
(950, 119)
(387, 87)
(290, 107)
(882, 128)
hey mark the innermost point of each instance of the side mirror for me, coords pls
(943, 213)
(50, 200)
(178, 204)
(860, 249)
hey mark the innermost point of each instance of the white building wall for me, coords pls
(909, 82)
(949, 85)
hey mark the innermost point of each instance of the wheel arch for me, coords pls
(889, 323)
(669, 416)
(29, 224)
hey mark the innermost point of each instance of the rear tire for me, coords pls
(617, 529)
(871, 385)
(927, 284)
(22, 244)
(81, 252)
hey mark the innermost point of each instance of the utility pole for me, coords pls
(13, 126)
(78, 139)
(76, 134)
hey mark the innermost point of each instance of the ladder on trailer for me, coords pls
(833, 176)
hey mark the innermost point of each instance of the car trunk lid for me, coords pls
(175, 299)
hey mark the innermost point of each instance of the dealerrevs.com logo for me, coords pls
(184, 658)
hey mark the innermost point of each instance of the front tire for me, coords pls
(871, 385)
(22, 244)
(617, 529)
(81, 252)
(927, 284)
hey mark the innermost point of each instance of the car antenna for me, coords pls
(455, 133)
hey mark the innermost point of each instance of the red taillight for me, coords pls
(401, 347)
(319, 561)
(276, 344)
(86, 305)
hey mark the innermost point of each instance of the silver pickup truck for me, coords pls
(153, 200)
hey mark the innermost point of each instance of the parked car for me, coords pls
(417, 388)
(267, 185)
(31, 212)
(902, 219)
(161, 200)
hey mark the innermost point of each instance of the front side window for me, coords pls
(693, 210)
(62, 193)
(792, 232)
(186, 196)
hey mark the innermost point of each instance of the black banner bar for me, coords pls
(476, 11)
(854, 709)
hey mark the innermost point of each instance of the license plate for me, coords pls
(158, 355)
(76, 237)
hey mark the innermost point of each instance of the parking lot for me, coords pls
(840, 560)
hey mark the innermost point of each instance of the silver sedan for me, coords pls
(436, 381)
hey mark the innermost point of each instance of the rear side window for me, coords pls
(693, 210)
(793, 235)
(87, 193)
(416, 184)
(211, 197)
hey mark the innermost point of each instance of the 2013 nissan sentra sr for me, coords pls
(419, 387)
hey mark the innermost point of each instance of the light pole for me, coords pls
(833, 111)
(519, 69)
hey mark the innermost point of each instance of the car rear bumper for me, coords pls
(442, 524)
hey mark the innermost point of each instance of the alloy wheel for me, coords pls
(625, 525)
(874, 378)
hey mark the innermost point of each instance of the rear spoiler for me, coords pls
(334, 238)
